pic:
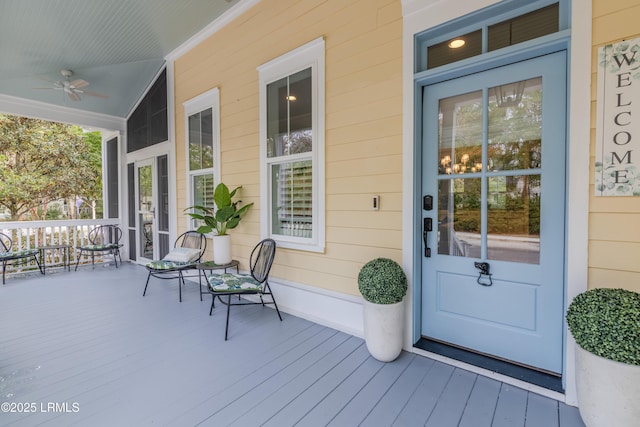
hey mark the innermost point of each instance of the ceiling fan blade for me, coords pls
(45, 79)
(79, 83)
(73, 96)
(92, 93)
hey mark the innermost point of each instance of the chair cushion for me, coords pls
(164, 264)
(100, 247)
(228, 282)
(19, 254)
(182, 255)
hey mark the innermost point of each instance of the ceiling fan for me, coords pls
(73, 88)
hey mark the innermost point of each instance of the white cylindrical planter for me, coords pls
(384, 329)
(608, 391)
(222, 249)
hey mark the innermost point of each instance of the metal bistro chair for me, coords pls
(256, 283)
(102, 239)
(187, 251)
(7, 254)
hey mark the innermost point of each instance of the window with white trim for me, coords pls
(202, 129)
(292, 148)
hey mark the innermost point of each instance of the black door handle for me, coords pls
(425, 233)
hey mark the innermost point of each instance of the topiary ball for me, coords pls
(606, 322)
(382, 281)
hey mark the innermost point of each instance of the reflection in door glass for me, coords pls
(515, 125)
(460, 134)
(145, 207)
(459, 220)
(513, 218)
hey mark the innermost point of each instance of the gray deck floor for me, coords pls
(85, 348)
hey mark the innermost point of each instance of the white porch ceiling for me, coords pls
(118, 46)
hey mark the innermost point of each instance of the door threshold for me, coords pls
(531, 376)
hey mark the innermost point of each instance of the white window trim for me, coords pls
(209, 99)
(311, 55)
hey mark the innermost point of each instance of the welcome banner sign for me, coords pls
(618, 120)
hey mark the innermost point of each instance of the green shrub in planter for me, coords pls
(382, 281)
(606, 322)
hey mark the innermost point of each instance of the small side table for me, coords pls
(210, 265)
(62, 249)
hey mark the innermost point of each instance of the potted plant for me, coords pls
(383, 286)
(224, 217)
(605, 324)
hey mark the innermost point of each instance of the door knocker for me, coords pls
(484, 278)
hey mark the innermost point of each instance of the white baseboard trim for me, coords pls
(332, 309)
(327, 308)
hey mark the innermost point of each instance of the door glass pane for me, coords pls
(513, 218)
(460, 134)
(459, 217)
(515, 125)
(145, 210)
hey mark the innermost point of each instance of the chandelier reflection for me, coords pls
(464, 166)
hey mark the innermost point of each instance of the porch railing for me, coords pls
(39, 234)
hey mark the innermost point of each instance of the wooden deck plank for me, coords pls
(217, 368)
(193, 378)
(421, 403)
(511, 408)
(220, 397)
(332, 403)
(90, 337)
(228, 413)
(569, 416)
(482, 403)
(453, 400)
(359, 407)
(389, 407)
(307, 400)
(283, 397)
(541, 411)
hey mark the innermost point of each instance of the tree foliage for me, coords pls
(43, 161)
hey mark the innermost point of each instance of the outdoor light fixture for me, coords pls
(456, 43)
(291, 98)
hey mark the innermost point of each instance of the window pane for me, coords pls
(203, 190)
(526, 27)
(445, 52)
(460, 134)
(513, 215)
(515, 125)
(201, 140)
(292, 199)
(195, 142)
(289, 109)
(206, 123)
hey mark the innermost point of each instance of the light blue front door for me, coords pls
(494, 166)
